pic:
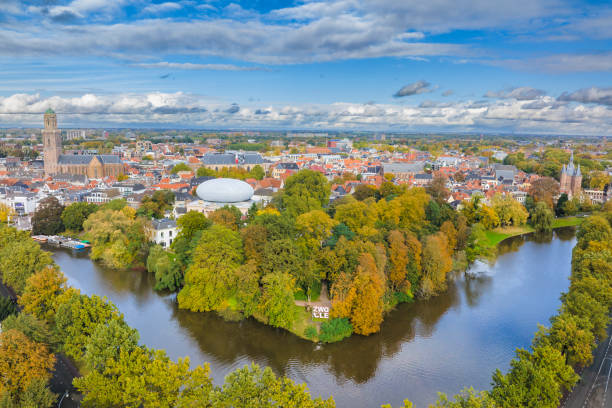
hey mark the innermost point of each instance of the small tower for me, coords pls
(52, 142)
(571, 179)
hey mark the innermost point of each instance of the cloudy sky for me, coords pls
(525, 66)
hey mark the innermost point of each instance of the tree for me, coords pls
(207, 279)
(572, 336)
(19, 260)
(36, 394)
(599, 179)
(363, 191)
(77, 318)
(360, 299)
(253, 387)
(157, 204)
(542, 218)
(190, 223)
(276, 303)
(117, 239)
(205, 172)
(6, 213)
(314, 227)
(227, 217)
(468, 398)
(145, 378)
(488, 217)
(437, 263)
(167, 272)
(449, 230)
(560, 206)
(535, 380)
(41, 293)
(398, 259)
(106, 343)
(47, 220)
(594, 228)
(75, 215)
(180, 167)
(304, 191)
(257, 172)
(359, 216)
(254, 238)
(22, 361)
(35, 329)
(509, 211)
(544, 189)
(437, 189)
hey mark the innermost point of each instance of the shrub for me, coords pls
(335, 330)
(310, 332)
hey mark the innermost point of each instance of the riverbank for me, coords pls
(497, 235)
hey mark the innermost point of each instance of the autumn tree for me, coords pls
(437, 188)
(509, 211)
(41, 293)
(208, 278)
(544, 189)
(360, 298)
(572, 336)
(226, 217)
(314, 228)
(254, 238)
(22, 361)
(106, 343)
(398, 259)
(436, 262)
(47, 220)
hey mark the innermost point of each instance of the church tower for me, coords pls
(52, 142)
(571, 179)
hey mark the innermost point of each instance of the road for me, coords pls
(595, 387)
(63, 372)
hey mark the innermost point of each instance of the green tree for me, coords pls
(180, 167)
(190, 223)
(106, 343)
(257, 172)
(35, 395)
(255, 387)
(276, 303)
(208, 278)
(35, 329)
(145, 378)
(509, 211)
(47, 220)
(7, 308)
(594, 228)
(205, 172)
(167, 271)
(305, 191)
(436, 263)
(77, 319)
(19, 260)
(535, 380)
(542, 217)
(572, 336)
(75, 215)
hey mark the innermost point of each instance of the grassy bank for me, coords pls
(497, 235)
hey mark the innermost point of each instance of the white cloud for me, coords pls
(602, 96)
(195, 67)
(192, 110)
(162, 8)
(523, 93)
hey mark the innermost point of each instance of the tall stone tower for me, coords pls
(571, 179)
(52, 142)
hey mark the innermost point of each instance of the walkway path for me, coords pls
(322, 301)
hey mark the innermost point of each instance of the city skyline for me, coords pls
(528, 67)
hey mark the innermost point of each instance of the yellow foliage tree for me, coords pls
(41, 293)
(22, 361)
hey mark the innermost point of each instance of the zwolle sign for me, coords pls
(320, 312)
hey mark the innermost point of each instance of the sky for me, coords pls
(485, 66)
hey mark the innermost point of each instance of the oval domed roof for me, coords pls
(224, 190)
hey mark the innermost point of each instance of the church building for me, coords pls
(93, 166)
(571, 179)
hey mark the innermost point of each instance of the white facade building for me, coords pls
(164, 232)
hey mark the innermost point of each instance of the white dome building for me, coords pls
(225, 190)
(217, 193)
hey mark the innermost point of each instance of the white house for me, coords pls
(164, 232)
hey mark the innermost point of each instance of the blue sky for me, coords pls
(541, 66)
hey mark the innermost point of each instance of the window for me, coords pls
(170, 232)
(162, 234)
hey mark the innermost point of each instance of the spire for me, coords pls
(578, 171)
(49, 111)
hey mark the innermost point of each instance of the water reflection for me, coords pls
(440, 344)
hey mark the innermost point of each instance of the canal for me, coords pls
(442, 344)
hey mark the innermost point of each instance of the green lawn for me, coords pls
(497, 235)
(314, 294)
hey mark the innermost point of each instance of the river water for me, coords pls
(443, 344)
